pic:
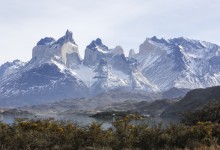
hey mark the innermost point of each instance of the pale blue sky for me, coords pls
(117, 22)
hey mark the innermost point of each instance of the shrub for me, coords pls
(50, 134)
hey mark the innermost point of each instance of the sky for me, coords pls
(117, 22)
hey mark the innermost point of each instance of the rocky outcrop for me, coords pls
(64, 49)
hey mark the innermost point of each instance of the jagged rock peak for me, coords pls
(97, 43)
(147, 46)
(131, 53)
(157, 40)
(118, 50)
(68, 37)
(64, 50)
(46, 41)
(14, 62)
(95, 51)
(187, 43)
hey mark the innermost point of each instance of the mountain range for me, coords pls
(56, 70)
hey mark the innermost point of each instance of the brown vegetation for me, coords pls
(50, 134)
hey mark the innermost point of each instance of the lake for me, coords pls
(85, 120)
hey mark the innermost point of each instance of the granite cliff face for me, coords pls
(64, 50)
(57, 71)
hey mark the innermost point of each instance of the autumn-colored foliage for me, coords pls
(50, 134)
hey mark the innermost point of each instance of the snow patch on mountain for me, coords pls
(179, 62)
(9, 68)
(140, 83)
(86, 74)
(56, 70)
(105, 80)
(96, 51)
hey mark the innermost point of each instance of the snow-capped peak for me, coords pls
(152, 45)
(46, 41)
(179, 62)
(64, 48)
(9, 68)
(56, 70)
(68, 37)
(97, 44)
(95, 51)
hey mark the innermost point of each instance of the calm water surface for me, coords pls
(85, 120)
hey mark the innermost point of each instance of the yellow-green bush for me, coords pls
(50, 134)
